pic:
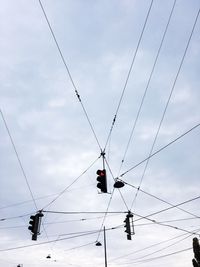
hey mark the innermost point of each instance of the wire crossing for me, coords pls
(147, 86)
(69, 74)
(167, 104)
(128, 76)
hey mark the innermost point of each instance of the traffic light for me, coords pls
(196, 250)
(34, 227)
(128, 225)
(102, 181)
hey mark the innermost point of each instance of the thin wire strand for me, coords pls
(160, 199)
(159, 250)
(114, 180)
(164, 256)
(167, 104)
(147, 86)
(148, 247)
(74, 181)
(159, 150)
(129, 72)
(21, 167)
(69, 73)
(104, 218)
(18, 159)
(169, 208)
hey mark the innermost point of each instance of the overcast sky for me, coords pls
(135, 65)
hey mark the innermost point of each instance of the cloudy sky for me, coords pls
(135, 67)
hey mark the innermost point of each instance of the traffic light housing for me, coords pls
(196, 250)
(34, 225)
(102, 181)
(128, 225)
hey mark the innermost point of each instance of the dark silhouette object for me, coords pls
(128, 225)
(34, 225)
(48, 256)
(118, 184)
(102, 181)
(196, 250)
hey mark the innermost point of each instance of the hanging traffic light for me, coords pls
(34, 227)
(128, 225)
(196, 250)
(102, 181)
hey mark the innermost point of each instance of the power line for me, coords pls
(84, 212)
(56, 240)
(166, 106)
(163, 256)
(69, 73)
(118, 188)
(149, 247)
(147, 86)
(129, 72)
(159, 150)
(104, 218)
(169, 208)
(159, 250)
(160, 199)
(67, 187)
(18, 158)
(168, 221)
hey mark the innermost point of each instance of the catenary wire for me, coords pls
(21, 166)
(168, 221)
(114, 180)
(18, 158)
(104, 218)
(77, 247)
(66, 221)
(69, 73)
(154, 252)
(159, 150)
(163, 256)
(147, 86)
(149, 247)
(169, 208)
(161, 249)
(84, 212)
(128, 75)
(160, 199)
(61, 239)
(167, 104)
(67, 187)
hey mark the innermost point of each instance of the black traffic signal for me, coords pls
(102, 181)
(196, 250)
(128, 225)
(34, 227)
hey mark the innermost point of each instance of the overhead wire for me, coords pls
(114, 180)
(128, 75)
(147, 86)
(18, 158)
(104, 218)
(21, 166)
(163, 256)
(160, 149)
(160, 199)
(159, 250)
(169, 221)
(169, 208)
(67, 187)
(69, 74)
(61, 239)
(167, 104)
(149, 247)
